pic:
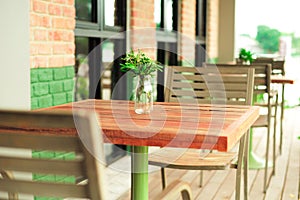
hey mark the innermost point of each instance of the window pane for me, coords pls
(169, 15)
(82, 68)
(157, 13)
(110, 12)
(107, 60)
(84, 10)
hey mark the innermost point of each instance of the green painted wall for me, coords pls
(51, 86)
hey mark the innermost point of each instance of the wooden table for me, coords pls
(279, 79)
(217, 127)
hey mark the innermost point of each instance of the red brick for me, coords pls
(45, 21)
(58, 22)
(68, 60)
(40, 61)
(39, 6)
(34, 20)
(70, 37)
(71, 2)
(33, 49)
(70, 48)
(44, 48)
(56, 61)
(69, 11)
(64, 48)
(56, 10)
(55, 35)
(69, 23)
(58, 48)
(32, 63)
(60, 1)
(40, 35)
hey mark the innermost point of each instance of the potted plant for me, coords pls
(142, 67)
(246, 56)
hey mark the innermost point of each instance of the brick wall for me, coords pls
(52, 24)
(142, 26)
(52, 49)
(212, 29)
(188, 31)
(51, 86)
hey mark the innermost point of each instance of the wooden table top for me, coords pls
(282, 79)
(170, 124)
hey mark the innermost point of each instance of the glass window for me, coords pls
(200, 32)
(201, 18)
(110, 12)
(96, 20)
(169, 15)
(157, 13)
(82, 68)
(113, 14)
(107, 61)
(164, 14)
(84, 11)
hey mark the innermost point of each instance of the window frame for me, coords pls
(96, 32)
(201, 12)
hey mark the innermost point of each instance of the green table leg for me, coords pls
(256, 162)
(139, 173)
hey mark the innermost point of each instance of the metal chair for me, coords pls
(211, 86)
(77, 133)
(278, 68)
(262, 86)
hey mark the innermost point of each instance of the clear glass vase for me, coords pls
(143, 95)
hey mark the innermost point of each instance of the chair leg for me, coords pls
(246, 165)
(163, 177)
(9, 175)
(239, 168)
(274, 136)
(267, 160)
(201, 178)
(281, 118)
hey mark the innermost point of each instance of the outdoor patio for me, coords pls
(220, 184)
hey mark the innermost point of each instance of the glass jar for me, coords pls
(143, 95)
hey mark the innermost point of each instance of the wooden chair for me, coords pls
(211, 86)
(278, 68)
(262, 86)
(77, 133)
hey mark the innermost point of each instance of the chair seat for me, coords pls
(186, 160)
(273, 95)
(262, 121)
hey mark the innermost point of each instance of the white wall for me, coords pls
(14, 55)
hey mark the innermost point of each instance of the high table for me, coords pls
(217, 127)
(279, 79)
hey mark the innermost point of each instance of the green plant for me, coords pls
(246, 55)
(140, 64)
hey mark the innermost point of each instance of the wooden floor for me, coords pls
(219, 185)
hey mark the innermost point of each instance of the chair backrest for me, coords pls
(277, 64)
(74, 134)
(262, 76)
(263, 60)
(278, 67)
(215, 85)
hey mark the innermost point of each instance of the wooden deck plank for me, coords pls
(291, 184)
(227, 188)
(276, 186)
(211, 188)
